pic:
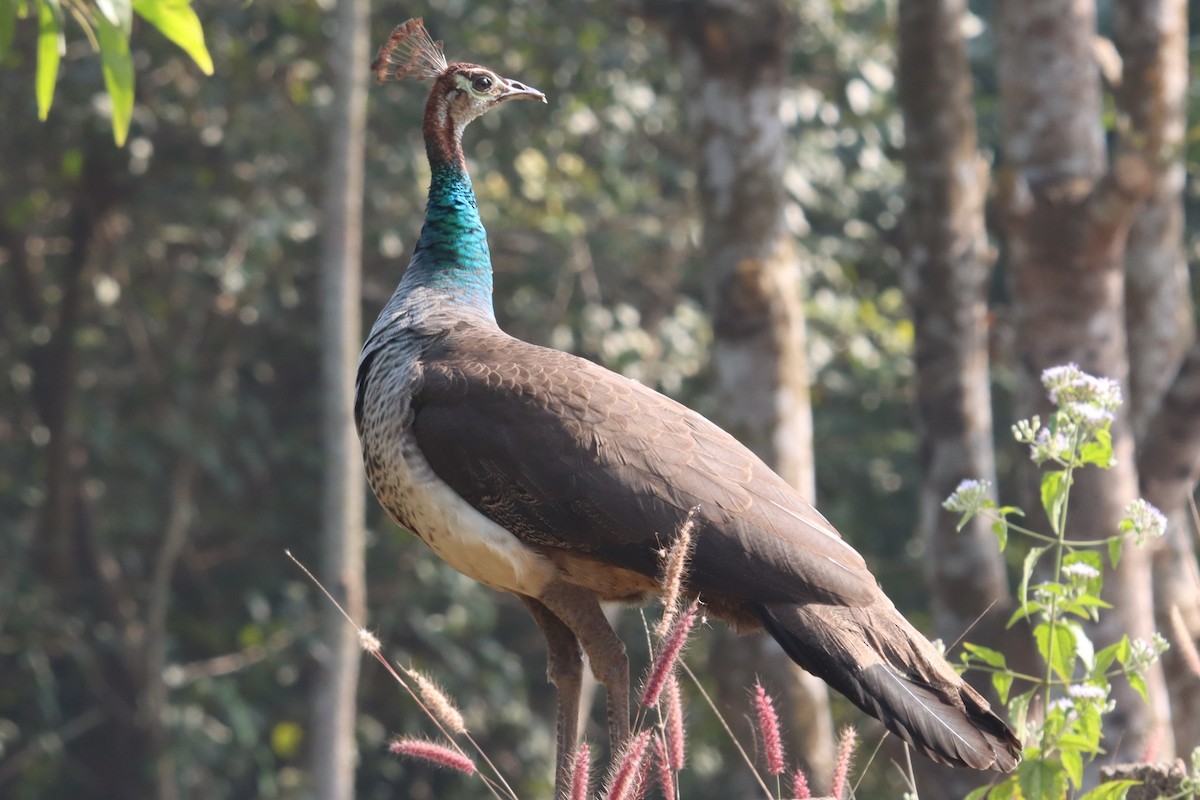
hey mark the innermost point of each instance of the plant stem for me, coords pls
(1041, 537)
(1060, 531)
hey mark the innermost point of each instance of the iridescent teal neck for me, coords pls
(452, 253)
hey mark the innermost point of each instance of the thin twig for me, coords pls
(970, 627)
(375, 651)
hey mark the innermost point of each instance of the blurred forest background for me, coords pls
(160, 407)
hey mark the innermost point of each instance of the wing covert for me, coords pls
(565, 454)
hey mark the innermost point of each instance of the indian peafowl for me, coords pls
(542, 474)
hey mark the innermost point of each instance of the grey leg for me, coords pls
(580, 611)
(564, 668)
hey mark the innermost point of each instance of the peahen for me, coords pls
(542, 474)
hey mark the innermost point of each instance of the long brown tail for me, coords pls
(889, 670)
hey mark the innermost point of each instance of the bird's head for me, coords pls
(469, 90)
(461, 92)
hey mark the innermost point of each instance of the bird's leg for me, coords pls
(564, 668)
(580, 610)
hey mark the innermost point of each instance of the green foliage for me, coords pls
(1071, 695)
(108, 25)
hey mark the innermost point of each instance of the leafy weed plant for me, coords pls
(1059, 713)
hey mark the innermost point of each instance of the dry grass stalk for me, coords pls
(674, 567)
(439, 703)
(668, 655)
(627, 770)
(433, 753)
(845, 755)
(581, 774)
(768, 729)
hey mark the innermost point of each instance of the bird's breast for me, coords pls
(413, 495)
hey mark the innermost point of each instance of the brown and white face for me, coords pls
(470, 90)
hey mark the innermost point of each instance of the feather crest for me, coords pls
(410, 53)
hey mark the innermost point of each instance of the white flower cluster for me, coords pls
(1142, 653)
(1088, 401)
(1043, 445)
(1086, 404)
(1065, 705)
(1144, 520)
(1026, 430)
(1087, 691)
(1057, 446)
(970, 497)
(1080, 571)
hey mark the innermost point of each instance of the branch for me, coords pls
(229, 663)
(174, 536)
(49, 742)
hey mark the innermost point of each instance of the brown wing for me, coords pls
(565, 454)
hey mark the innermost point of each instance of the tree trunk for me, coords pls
(947, 263)
(1067, 220)
(334, 752)
(1169, 463)
(732, 57)
(1152, 39)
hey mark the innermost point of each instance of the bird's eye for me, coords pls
(482, 83)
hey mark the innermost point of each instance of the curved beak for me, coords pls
(515, 90)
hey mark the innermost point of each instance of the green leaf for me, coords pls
(1018, 710)
(1005, 790)
(1092, 602)
(993, 658)
(1079, 742)
(1042, 780)
(179, 23)
(1032, 607)
(8, 25)
(1099, 450)
(117, 66)
(1051, 589)
(118, 12)
(1118, 651)
(1031, 559)
(49, 51)
(1072, 763)
(1055, 489)
(1113, 790)
(1002, 683)
(1085, 651)
(1138, 682)
(1000, 528)
(978, 794)
(1115, 544)
(1089, 725)
(1056, 644)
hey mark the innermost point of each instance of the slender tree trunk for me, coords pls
(732, 56)
(947, 263)
(1152, 39)
(334, 752)
(1067, 217)
(1169, 462)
